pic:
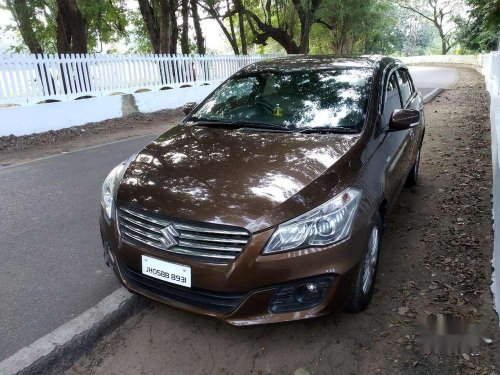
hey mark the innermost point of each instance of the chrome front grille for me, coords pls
(200, 240)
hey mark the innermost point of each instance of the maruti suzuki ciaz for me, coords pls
(267, 203)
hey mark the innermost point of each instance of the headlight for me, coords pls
(324, 225)
(109, 186)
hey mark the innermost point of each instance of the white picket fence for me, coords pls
(29, 79)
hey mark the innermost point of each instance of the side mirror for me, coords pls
(403, 119)
(188, 107)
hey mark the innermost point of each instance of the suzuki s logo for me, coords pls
(168, 236)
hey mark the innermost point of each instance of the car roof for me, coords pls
(319, 62)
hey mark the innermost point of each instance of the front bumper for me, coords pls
(241, 292)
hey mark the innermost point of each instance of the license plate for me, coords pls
(166, 271)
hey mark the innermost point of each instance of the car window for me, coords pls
(392, 99)
(297, 99)
(237, 90)
(410, 82)
(404, 85)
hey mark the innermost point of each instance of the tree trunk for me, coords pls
(445, 47)
(268, 31)
(63, 35)
(165, 30)
(147, 12)
(241, 23)
(305, 31)
(306, 14)
(214, 14)
(231, 24)
(70, 15)
(200, 42)
(229, 37)
(185, 27)
(174, 33)
(23, 18)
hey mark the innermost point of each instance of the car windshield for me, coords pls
(293, 100)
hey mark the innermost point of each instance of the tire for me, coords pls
(365, 278)
(412, 178)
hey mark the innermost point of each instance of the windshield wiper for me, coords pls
(260, 125)
(238, 124)
(326, 129)
(196, 120)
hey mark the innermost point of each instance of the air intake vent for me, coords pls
(209, 300)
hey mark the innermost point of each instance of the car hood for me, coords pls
(251, 179)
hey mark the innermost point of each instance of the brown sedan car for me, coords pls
(268, 202)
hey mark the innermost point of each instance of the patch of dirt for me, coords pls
(15, 150)
(436, 259)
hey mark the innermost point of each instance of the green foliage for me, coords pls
(355, 25)
(106, 22)
(352, 27)
(488, 10)
(137, 37)
(481, 30)
(369, 27)
(340, 27)
(413, 35)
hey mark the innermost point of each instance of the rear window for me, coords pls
(293, 100)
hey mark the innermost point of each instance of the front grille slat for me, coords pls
(196, 237)
(142, 232)
(199, 253)
(202, 240)
(139, 239)
(192, 228)
(162, 223)
(141, 224)
(201, 246)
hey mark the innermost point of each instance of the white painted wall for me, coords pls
(491, 71)
(489, 66)
(472, 60)
(157, 100)
(37, 118)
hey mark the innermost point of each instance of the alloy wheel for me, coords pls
(371, 260)
(417, 163)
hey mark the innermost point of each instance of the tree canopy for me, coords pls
(254, 26)
(481, 30)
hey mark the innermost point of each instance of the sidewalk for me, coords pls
(436, 259)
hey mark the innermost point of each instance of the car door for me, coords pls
(411, 100)
(396, 143)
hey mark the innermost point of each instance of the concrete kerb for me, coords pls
(59, 349)
(430, 96)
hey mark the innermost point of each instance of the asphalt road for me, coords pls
(51, 266)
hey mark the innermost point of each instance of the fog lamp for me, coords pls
(301, 295)
(307, 293)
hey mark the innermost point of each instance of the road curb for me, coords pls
(430, 96)
(59, 349)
